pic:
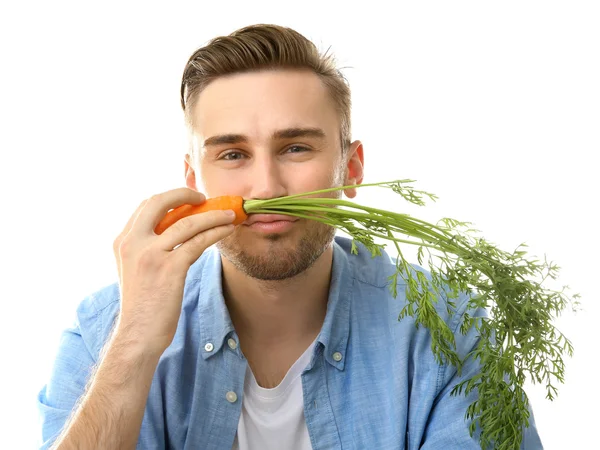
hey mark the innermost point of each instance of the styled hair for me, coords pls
(263, 47)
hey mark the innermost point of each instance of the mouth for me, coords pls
(268, 218)
(270, 223)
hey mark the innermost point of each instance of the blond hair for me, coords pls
(263, 47)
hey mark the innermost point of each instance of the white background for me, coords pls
(493, 107)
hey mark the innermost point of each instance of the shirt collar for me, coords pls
(216, 325)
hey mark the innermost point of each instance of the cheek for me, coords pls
(317, 176)
(214, 183)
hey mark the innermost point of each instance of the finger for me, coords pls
(188, 227)
(188, 252)
(158, 205)
(119, 239)
(133, 218)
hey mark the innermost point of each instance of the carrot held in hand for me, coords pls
(233, 202)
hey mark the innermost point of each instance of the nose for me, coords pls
(267, 179)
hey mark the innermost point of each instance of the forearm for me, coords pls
(109, 415)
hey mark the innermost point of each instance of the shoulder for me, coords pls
(373, 282)
(374, 306)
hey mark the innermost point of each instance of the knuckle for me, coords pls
(183, 225)
(147, 261)
(147, 257)
(196, 241)
(117, 243)
(190, 253)
(155, 198)
(124, 247)
(208, 237)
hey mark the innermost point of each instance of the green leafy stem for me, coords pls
(517, 339)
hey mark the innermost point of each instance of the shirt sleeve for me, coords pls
(447, 427)
(70, 373)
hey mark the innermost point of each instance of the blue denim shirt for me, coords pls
(386, 392)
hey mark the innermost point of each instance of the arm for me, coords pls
(109, 414)
(152, 272)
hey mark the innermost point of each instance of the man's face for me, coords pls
(264, 135)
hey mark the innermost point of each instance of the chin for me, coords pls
(277, 256)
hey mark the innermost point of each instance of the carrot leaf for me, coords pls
(517, 339)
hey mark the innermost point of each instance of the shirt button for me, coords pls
(337, 356)
(231, 397)
(208, 347)
(232, 343)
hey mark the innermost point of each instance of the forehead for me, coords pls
(257, 103)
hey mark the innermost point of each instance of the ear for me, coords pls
(354, 167)
(190, 173)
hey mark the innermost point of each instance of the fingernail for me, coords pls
(230, 212)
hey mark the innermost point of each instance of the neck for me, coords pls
(282, 312)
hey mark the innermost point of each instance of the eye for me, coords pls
(298, 148)
(236, 156)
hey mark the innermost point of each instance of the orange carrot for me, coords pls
(234, 202)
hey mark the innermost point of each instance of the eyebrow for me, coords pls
(287, 133)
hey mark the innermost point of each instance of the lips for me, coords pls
(268, 218)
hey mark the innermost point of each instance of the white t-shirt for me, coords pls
(273, 419)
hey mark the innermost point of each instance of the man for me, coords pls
(277, 337)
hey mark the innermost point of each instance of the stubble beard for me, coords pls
(280, 256)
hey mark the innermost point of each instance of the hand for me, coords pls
(152, 268)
